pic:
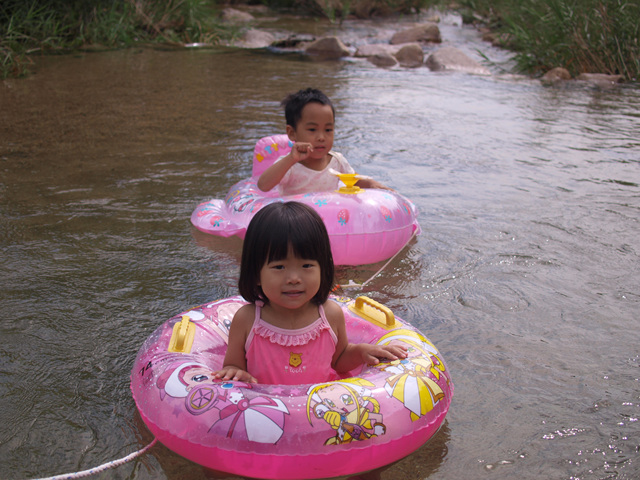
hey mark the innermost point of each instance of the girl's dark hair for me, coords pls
(271, 232)
(295, 102)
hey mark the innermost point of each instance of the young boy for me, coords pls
(310, 118)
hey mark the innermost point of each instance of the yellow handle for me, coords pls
(182, 337)
(349, 179)
(374, 312)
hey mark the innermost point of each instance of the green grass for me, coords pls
(52, 26)
(583, 36)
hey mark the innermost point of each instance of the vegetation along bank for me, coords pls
(581, 36)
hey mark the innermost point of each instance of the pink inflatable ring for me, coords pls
(364, 225)
(374, 417)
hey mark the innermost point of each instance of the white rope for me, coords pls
(352, 284)
(103, 467)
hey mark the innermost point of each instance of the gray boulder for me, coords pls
(424, 33)
(233, 15)
(555, 75)
(328, 48)
(371, 49)
(383, 59)
(253, 38)
(410, 55)
(600, 79)
(450, 58)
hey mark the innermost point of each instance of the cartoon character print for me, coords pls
(257, 205)
(205, 208)
(295, 359)
(348, 407)
(181, 377)
(409, 382)
(343, 216)
(216, 220)
(268, 150)
(232, 411)
(220, 314)
(235, 413)
(241, 202)
(386, 213)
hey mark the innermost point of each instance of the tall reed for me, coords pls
(29, 26)
(583, 36)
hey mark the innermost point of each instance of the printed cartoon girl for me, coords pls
(409, 381)
(235, 413)
(179, 378)
(230, 410)
(348, 407)
(220, 314)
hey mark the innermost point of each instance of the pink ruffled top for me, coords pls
(280, 356)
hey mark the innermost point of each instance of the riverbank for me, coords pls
(601, 37)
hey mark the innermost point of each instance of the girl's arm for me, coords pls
(276, 172)
(350, 355)
(235, 361)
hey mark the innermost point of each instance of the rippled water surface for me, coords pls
(526, 275)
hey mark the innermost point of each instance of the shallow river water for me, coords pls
(526, 275)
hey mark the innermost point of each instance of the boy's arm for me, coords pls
(275, 173)
(363, 182)
(371, 183)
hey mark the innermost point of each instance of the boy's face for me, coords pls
(314, 127)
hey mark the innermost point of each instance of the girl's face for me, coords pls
(314, 127)
(290, 283)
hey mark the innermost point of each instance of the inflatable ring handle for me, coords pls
(182, 337)
(376, 313)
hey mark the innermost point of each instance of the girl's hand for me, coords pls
(373, 354)
(231, 372)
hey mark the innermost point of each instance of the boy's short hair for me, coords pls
(295, 102)
(271, 232)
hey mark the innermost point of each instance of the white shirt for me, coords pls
(300, 179)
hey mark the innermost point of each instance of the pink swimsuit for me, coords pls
(279, 356)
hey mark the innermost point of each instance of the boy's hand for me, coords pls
(300, 151)
(368, 182)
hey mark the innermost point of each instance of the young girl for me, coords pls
(307, 168)
(291, 333)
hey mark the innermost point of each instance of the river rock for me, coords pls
(255, 39)
(600, 79)
(372, 49)
(383, 59)
(233, 15)
(410, 55)
(450, 58)
(427, 32)
(555, 75)
(328, 48)
(294, 41)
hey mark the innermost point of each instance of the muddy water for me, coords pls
(525, 276)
